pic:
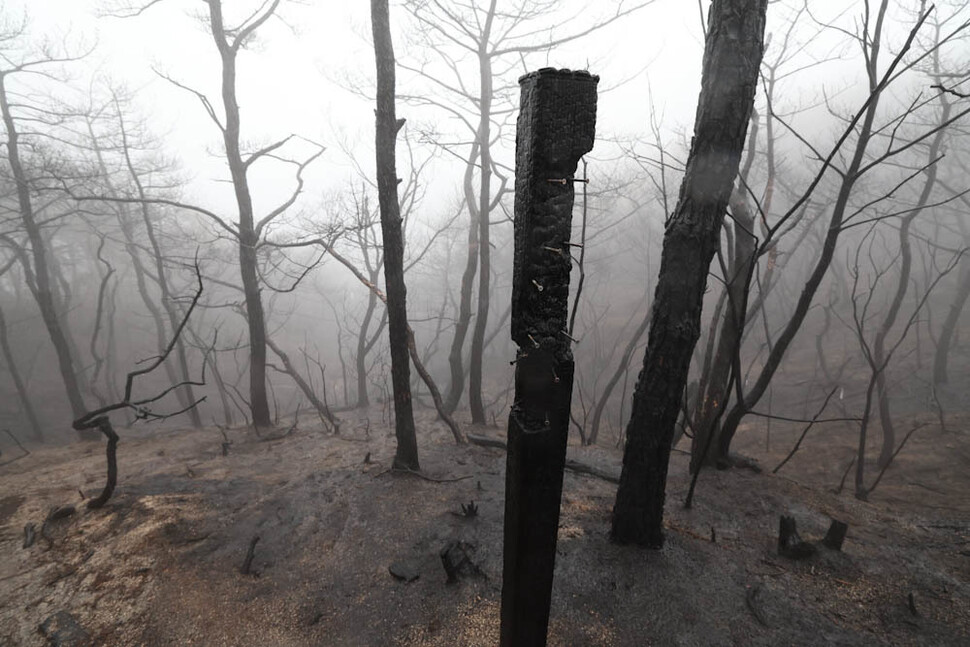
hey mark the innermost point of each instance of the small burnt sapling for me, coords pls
(98, 419)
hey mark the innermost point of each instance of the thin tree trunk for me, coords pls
(362, 347)
(406, 456)
(22, 393)
(186, 391)
(849, 178)
(732, 58)
(476, 361)
(621, 369)
(949, 327)
(41, 268)
(902, 285)
(713, 400)
(455, 355)
(248, 238)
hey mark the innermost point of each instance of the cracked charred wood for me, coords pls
(556, 126)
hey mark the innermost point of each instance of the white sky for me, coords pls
(287, 83)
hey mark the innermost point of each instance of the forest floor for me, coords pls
(160, 564)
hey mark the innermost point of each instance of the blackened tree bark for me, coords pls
(388, 125)
(732, 57)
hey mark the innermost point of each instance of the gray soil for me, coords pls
(160, 564)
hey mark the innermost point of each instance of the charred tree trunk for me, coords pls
(248, 237)
(387, 128)
(43, 292)
(555, 128)
(732, 58)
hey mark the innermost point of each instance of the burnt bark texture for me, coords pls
(556, 127)
(406, 456)
(732, 57)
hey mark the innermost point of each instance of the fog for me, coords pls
(124, 240)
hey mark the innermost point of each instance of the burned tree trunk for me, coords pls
(731, 60)
(555, 128)
(397, 325)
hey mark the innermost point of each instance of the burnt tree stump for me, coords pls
(555, 128)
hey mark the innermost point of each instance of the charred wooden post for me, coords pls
(555, 128)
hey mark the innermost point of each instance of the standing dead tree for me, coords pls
(879, 352)
(474, 51)
(38, 267)
(388, 125)
(863, 126)
(732, 57)
(99, 419)
(249, 229)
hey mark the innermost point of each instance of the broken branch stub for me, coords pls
(555, 128)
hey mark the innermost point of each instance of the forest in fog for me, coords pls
(194, 239)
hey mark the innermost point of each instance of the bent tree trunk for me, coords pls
(902, 286)
(406, 456)
(455, 362)
(732, 57)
